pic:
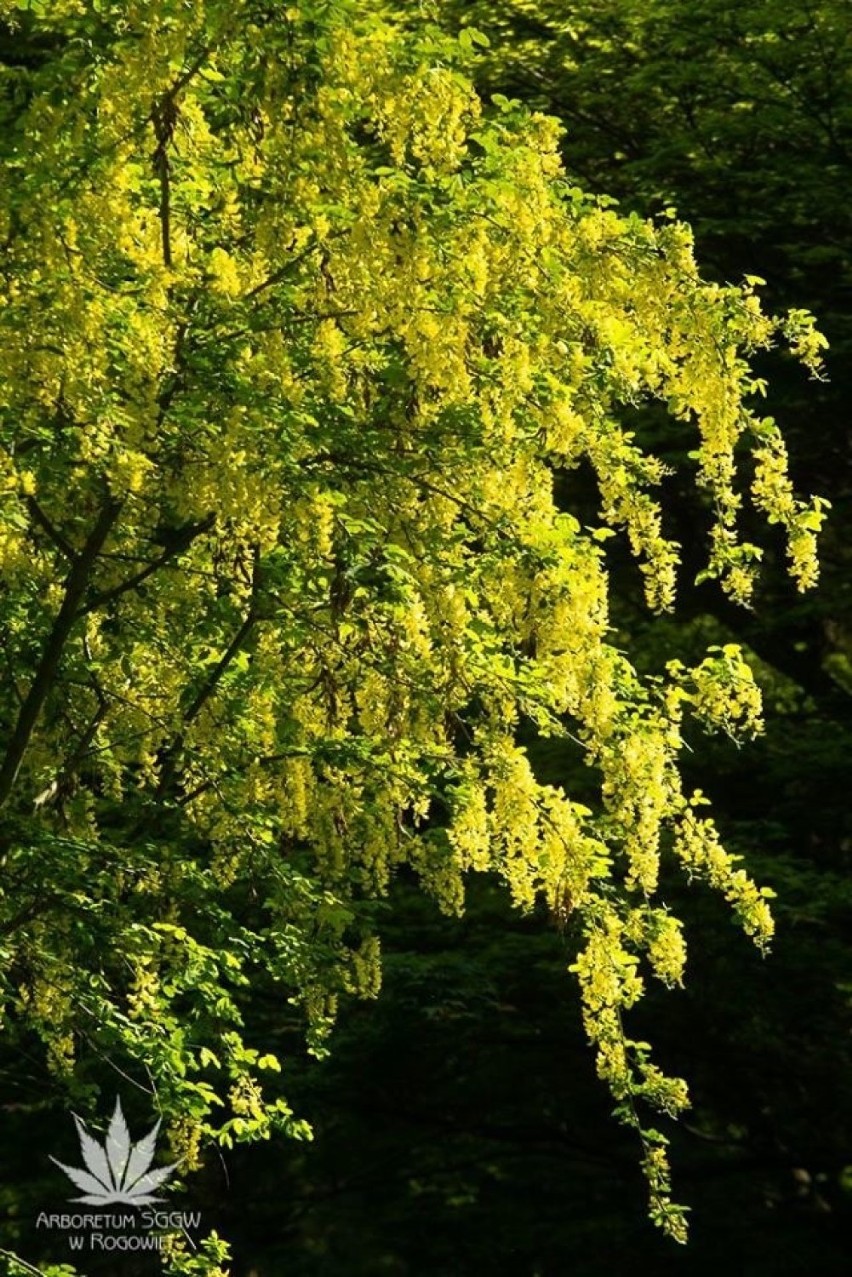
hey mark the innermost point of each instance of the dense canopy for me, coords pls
(298, 337)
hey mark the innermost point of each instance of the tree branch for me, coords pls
(181, 539)
(53, 532)
(170, 762)
(213, 679)
(75, 587)
(164, 119)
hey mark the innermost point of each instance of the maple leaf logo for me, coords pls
(118, 1171)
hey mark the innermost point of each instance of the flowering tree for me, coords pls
(297, 336)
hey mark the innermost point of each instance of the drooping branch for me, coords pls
(75, 587)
